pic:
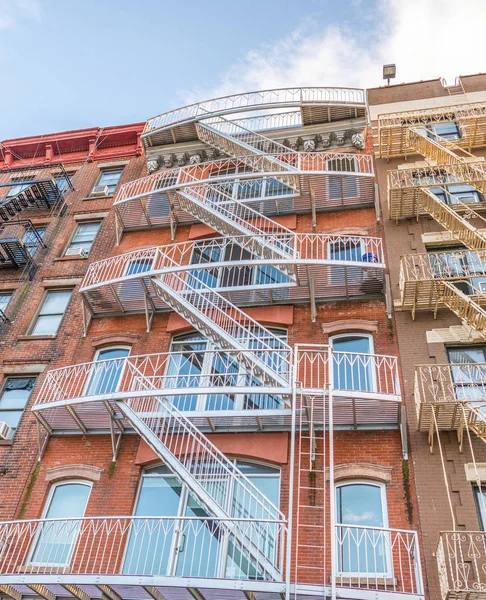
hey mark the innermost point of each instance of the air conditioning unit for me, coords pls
(101, 190)
(6, 432)
(77, 252)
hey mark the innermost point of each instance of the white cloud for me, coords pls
(425, 38)
(14, 11)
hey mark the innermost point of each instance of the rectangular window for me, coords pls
(16, 188)
(62, 181)
(109, 179)
(448, 131)
(342, 186)
(480, 498)
(51, 312)
(5, 298)
(83, 237)
(32, 239)
(15, 395)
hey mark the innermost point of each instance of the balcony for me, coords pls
(161, 557)
(454, 280)
(394, 128)
(313, 182)
(19, 241)
(220, 390)
(461, 560)
(315, 267)
(32, 188)
(316, 105)
(451, 396)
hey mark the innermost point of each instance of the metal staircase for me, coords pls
(218, 484)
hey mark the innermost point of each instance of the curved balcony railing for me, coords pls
(199, 547)
(461, 559)
(325, 163)
(264, 99)
(331, 250)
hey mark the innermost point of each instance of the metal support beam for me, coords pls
(76, 591)
(312, 294)
(74, 415)
(42, 591)
(10, 591)
(153, 592)
(108, 593)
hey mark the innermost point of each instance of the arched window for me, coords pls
(196, 362)
(105, 374)
(56, 539)
(183, 531)
(362, 540)
(354, 364)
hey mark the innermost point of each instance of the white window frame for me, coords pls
(211, 349)
(45, 510)
(76, 229)
(108, 170)
(386, 525)
(2, 391)
(97, 359)
(372, 365)
(176, 540)
(39, 308)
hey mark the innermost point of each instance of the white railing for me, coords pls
(450, 384)
(417, 177)
(461, 560)
(459, 264)
(328, 163)
(360, 374)
(256, 100)
(182, 375)
(165, 546)
(426, 116)
(375, 558)
(365, 252)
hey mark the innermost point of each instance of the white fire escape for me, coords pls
(273, 547)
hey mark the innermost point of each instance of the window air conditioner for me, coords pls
(77, 252)
(100, 190)
(6, 432)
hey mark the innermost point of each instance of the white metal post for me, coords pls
(332, 499)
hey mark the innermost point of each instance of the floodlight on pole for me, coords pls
(389, 72)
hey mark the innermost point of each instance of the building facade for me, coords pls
(218, 409)
(429, 145)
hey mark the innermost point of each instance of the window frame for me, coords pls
(100, 176)
(173, 556)
(88, 381)
(74, 232)
(341, 182)
(477, 490)
(6, 293)
(45, 510)
(2, 410)
(39, 228)
(45, 295)
(386, 525)
(372, 366)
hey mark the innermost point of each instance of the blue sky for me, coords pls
(68, 64)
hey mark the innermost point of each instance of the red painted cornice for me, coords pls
(69, 147)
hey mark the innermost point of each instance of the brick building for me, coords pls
(217, 411)
(429, 145)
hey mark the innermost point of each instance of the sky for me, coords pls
(69, 64)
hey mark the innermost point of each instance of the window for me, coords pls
(105, 376)
(354, 366)
(56, 540)
(194, 362)
(480, 499)
(448, 130)
(5, 298)
(455, 193)
(16, 188)
(51, 312)
(32, 239)
(342, 186)
(458, 262)
(468, 372)
(62, 181)
(15, 395)
(169, 547)
(349, 250)
(109, 178)
(359, 506)
(84, 236)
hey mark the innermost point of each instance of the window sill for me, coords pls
(62, 258)
(35, 337)
(98, 198)
(7, 442)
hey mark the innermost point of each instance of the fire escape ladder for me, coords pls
(457, 225)
(223, 490)
(467, 308)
